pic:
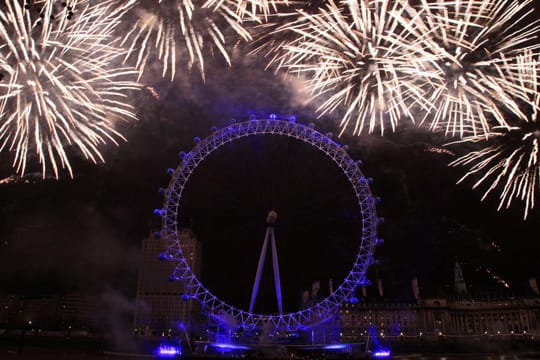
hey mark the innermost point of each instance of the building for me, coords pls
(80, 311)
(160, 306)
(459, 313)
(505, 316)
(10, 308)
(54, 312)
(441, 317)
(357, 319)
(23, 311)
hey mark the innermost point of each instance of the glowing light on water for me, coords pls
(229, 347)
(169, 351)
(335, 347)
(381, 354)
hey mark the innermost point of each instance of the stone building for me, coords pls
(161, 305)
(441, 317)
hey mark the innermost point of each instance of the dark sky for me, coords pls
(85, 233)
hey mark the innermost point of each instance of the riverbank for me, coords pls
(106, 346)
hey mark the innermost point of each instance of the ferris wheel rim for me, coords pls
(307, 134)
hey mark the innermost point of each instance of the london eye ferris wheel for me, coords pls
(317, 311)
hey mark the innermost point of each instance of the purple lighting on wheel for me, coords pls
(271, 126)
(169, 351)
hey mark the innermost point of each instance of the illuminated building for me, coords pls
(441, 317)
(160, 304)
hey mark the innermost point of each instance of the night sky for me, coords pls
(85, 233)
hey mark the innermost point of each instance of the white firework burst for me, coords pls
(252, 9)
(166, 28)
(273, 33)
(360, 56)
(59, 86)
(470, 76)
(509, 162)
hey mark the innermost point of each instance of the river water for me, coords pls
(477, 356)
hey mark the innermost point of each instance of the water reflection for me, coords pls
(479, 356)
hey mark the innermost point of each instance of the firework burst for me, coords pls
(251, 8)
(509, 162)
(470, 75)
(273, 33)
(360, 56)
(58, 86)
(168, 26)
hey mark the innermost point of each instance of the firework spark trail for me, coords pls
(438, 150)
(510, 161)
(274, 31)
(360, 55)
(29, 178)
(515, 169)
(59, 86)
(167, 26)
(471, 73)
(251, 8)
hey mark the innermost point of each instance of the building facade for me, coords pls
(161, 305)
(57, 312)
(441, 317)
